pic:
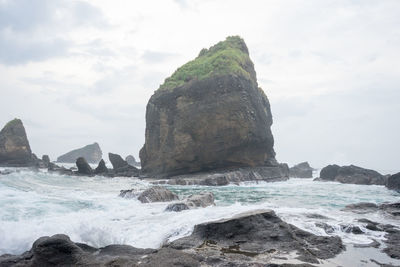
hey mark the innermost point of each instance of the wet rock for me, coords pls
(351, 175)
(14, 145)
(117, 161)
(392, 209)
(257, 233)
(327, 228)
(349, 228)
(130, 193)
(157, 194)
(203, 199)
(60, 170)
(46, 159)
(220, 120)
(101, 168)
(301, 170)
(393, 182)
(225, 177)
(83, 167)
(92, 153)
(121, 167)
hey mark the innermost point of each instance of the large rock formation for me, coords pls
(210, 114)
(14, 145)
(92, 153)
(393, 182)
(351, 175)
(301, 170)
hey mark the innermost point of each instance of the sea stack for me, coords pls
(92, 153)
(14, 145)
(210, 114)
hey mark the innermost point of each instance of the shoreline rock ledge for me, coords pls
(209, 115)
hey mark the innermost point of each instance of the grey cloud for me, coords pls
(156, 57)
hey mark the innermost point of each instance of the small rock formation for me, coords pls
(101, 168)
(393, 182)
(92, 153)
(210, 114)
(46, 159)
(204, 199)
(157, 194)
(117, 161)
(351, 175)
(121, 167)
(301, 170)
(132, 161)
(130, 193)
(14, 145)
(83, 167)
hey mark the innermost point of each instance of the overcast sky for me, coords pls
(77, 72)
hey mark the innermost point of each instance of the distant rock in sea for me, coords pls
(132, 161)
(301, 170)
(351, 175)
(393, 182)
(92, 153)
(210, 114)
(14, 145)
(83, 167)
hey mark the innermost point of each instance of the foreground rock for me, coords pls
(92, 153)
(351, 175)
(252, 239)
(157, 194)
(393, 182)
(14, 145)
(83, 167)
(257, 235)
(301, 170)
(219, 178)
(204, 199)
(210, 114)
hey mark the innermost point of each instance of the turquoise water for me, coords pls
(88, 209)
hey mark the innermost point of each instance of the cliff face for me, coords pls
(209, 114)
(92, 153)
(14, 144)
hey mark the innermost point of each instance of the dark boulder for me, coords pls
(157, 194)
(210, 114)
(83, 166)
(92, 153)
(121, 167)
(101, 168)
(259, 233)
(393, 182)
(46, 159)
(301, 170)
(351, 175)
(14, 145)
(117, 161)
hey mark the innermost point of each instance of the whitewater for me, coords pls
(89, 210)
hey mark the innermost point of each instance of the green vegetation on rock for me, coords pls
(12, 122)
(227, 57)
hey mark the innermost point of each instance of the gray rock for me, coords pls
(101, 168)
(258, 233)
(351, 175)
(301, 170)
(392, 209)
(92, 153)
(216, 122)
(131, 193)
(132, 161)
(46, 159)
(117, 161)
(393, 182)
(14, 145)
(83, 167)
(121, 167)
(203, 199)
(157, 194)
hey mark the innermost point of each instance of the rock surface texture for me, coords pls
(393, 182)
(301, 170)
(258, 238)
(14, 145)
(92, 153)
(203, 199)
(157, 194)
(210, 114)
(351, 175)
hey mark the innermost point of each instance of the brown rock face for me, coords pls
(14, 145)
(221, 121)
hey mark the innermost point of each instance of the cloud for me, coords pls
(156, 57)
(35, 30)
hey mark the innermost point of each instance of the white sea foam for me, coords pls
(88, 209)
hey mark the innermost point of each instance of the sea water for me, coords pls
(89, 210)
